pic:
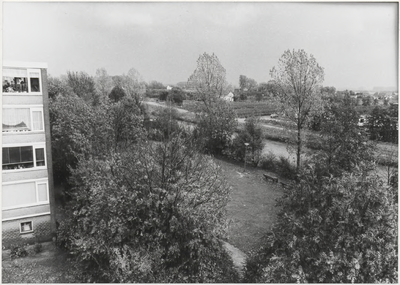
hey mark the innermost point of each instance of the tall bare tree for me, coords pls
(209, 77)
(103, 82)
(297, 77)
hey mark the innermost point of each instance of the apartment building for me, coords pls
(27, 178)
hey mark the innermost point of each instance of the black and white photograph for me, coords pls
(199, 142)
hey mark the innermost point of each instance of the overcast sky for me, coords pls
(356, 44)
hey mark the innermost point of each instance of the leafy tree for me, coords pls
(70, 119)
(56, 86)
(83, 85)
(80, 131)
(209, 77)
(272, 88)
(117, 93)
(251, 134)
(153, 213)
(166, 124)
(125, 119)
(156, 85)
(242, 82)
(251, 84)
(163, 96)
(334, 154)
(262, 87)
(176, 95)
(331, 230)
(216, 124)
(297, 77)
(247, 83)
(367, 100)
(243, 96)
(103, 82)
(133, 83)
(382, 124)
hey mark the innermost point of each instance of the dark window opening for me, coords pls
(17, 157)
(26, 227)
(40, 161)
(35, 87)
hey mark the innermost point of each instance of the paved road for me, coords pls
(163, 105)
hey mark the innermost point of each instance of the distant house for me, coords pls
(169, 87)
(228, 97)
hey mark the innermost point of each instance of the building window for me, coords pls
(23, 157)
(37, 120)
(23, 119)
(24, 194)
(39, 153)
(26, 227)
(21, 80)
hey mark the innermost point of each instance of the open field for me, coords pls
(247, 109)
(242, 109)
(251, 211)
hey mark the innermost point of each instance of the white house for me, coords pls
(228, 97)
(169, 87)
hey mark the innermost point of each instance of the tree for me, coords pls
(56, 86)
(251, 84)
(382, 124)
(163, 96)
(251, 134)
(166, 124)
(247, 83)
(70, 119)
(334, 154)
(216, 124)
(156, 85)
(117, 93)
(153, 213)
(297, 78)
(331, 230)
(103, 82)
(242, 82)
(367, 100)
(209, 78)
(83, 85)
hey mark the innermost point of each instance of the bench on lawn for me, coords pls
(286, 185)
(270, 177)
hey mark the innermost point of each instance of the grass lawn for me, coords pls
(49, 266)
(251, 211)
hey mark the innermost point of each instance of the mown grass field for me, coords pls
(251, 210)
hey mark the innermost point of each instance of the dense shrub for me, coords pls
(331, 230)
(285, 168)
(281, 165)
(154, 213)
(251, 134)
(216, 124)
(163, 96)
(38, 247)
(165, 124)
(268, 161)
(18, 250)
